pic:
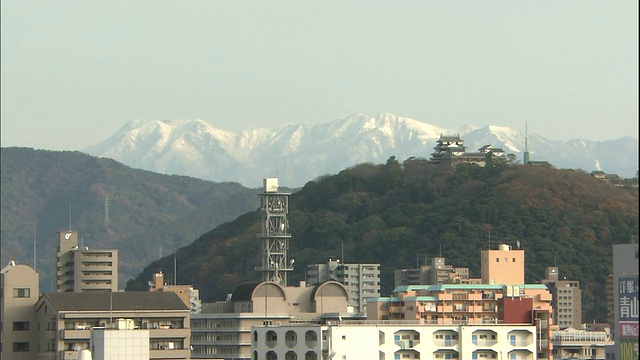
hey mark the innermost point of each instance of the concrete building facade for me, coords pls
(361, 280)
(388, 341)
(65, 321)
(223, 330)
(438, 272)
(79, 269)
(19, 290)
(567, 299)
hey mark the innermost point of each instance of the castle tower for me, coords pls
(274, 234)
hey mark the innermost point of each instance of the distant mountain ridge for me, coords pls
(297, 153)
(148, 214)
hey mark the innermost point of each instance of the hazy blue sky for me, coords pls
(73, 73)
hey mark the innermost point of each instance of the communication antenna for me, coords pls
(106, 210)
(35, 246)
(175, 268)
(526, 143)
(274, 235)
(69, 215)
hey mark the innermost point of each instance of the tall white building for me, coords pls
(361, 280)
(389, 341)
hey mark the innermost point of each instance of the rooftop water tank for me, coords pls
(504, 247)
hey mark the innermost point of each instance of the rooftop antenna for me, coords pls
(342, 256)
(106, 210)
(175, 268)
(526, 143)
(35, 246)
(69, 215)
(440, 249)
(489, 230)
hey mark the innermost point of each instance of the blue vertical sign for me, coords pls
(628, 307)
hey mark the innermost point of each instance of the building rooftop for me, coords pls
(444, 287)
(116, 301)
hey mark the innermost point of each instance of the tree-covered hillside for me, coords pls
(400, 214)
(148, 213)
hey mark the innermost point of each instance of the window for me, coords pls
(497, 259)
(20, 326)
(20, 346)
(513, 259)
(21, 292)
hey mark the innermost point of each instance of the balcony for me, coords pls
(169, 354)
(169, 333)
(75, 334)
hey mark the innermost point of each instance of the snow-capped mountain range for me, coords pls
(298, 153)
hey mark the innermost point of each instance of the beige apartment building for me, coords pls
(567, 299)
(223, 330)
(19, 290)
(82, 270)
(64, 321)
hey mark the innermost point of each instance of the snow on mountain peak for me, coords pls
(301, 152)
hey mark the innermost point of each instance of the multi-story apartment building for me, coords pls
(470, 304)
(82, 270)
(361, 280)
(439, 272)
(19, 292)
(625, 294)
(223, 330)
(567, 299)
(64, 321)
(392, 340)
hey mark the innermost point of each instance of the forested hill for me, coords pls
(148, 213)
(398, 214)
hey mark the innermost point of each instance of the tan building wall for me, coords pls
(19, 287)
(84, 270)
(502, 266)
(226, 333)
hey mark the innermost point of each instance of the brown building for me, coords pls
(65, 321)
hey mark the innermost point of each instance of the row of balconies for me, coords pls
(153, 334)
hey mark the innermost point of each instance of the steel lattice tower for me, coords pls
(274, 233)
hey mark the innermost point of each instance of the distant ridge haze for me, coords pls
(297, 153)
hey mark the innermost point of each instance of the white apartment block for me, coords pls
(390, 341)
(361, 280)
